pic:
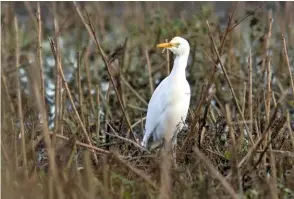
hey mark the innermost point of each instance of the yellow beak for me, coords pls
(166, 45)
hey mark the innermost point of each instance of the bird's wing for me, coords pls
(156, 106)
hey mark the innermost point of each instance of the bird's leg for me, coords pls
(146, 137)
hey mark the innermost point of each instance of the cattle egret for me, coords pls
(169, 104)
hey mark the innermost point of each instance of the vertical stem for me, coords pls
(53, 47)
(288, 63)
(107, 118)
(165, 178)
(234, 150)
(80, 89)
(149, 72)
(88, 24)
(228, 81)
(268, 69)
(268, 93)
(19, 103)
(57, 118)
(250, 93)
(88, 76)
(244, 97)
(167, 61)
(62, 110)
(11, 119)
(58, 83)
(273, 179)
(267, 42)
(290, 130)
(98, 115)
(7, 92)
(39, 51)
(267, 108)
(121, 71)
(228, 29)
(31, 13)
(106, 177)
(15, 142)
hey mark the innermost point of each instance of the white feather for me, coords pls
(169, 104)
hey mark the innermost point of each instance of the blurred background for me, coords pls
(128, 33)
(143, 25)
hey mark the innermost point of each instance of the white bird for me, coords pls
(169, 104)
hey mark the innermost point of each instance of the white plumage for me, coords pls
(169, 104)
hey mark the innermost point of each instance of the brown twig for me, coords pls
(4, 81)
(234, 151)
(229, 83)
(138, 172)
(53, 47)
(215, 173)
(290, 130)
(288, 62)
(280, 152)
(267, 147)
(92, 33)
(245, 17)
(124, 139)
(269, 91)
(267, 104)
(140, 121)
(19, 102)
(91, 147)
(223, 41)
(106, 105)
(31, 13)
(133, 90)
(244, 98)
(165, 191)
(88, 76)
(167, 61)
(273, 179)
(11, 119)
(5, 156)
(251, 150)
(250, 102)
(205, 92)
(39, 50)
(98, 115)
(48, 143)
(149, 72)
(80, 89)
(58, 82)
(91, 188)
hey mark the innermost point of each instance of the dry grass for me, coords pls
(74, 105)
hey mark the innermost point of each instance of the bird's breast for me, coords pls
(180, 91)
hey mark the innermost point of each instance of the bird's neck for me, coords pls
(180, 64)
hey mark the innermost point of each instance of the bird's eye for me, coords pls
(177, 44)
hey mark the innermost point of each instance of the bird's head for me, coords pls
(178, 45)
